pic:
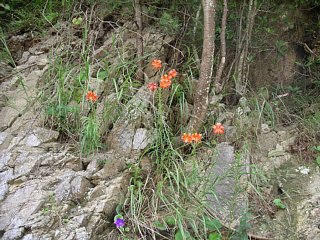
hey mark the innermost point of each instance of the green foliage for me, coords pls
(279, 203)
(311, 3)
(20, 15)
(90, 139)
(5, 53)
(212, 224)
(244, 226)
(317, 150)
(183, 235)
(215, 236)
(169, 23)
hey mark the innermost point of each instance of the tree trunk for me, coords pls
(206, 67)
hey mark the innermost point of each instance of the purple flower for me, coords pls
(119, 223)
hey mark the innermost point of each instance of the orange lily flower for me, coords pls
(196, 137)
(172, 73)
(152, 86)
(91, 96)
(186, 137)
(218, 128)
(156, 64)
(165, 81)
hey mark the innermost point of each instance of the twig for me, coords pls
(218, 81)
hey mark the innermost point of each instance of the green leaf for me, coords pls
(170, 220)
(5, 6)
(118, 209)
(318, 160)
(102, 75)
(279, 203)
(178, 235)
(212, 224)
(317, 148)
(215, 236)
(117, 217)
(160, 225)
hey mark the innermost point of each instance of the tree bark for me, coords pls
(206, 67)
(139, 40)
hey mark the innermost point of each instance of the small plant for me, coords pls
(242, 230)
(317, 150)
(279, 203)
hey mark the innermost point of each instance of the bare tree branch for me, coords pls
(218, 81)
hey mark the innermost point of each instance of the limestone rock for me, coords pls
(19, 205)
(265, 128)
(24, 58)
(3, 136)
(33, 141)
(25, 163)
(4, 159)
(122, 135)
(112, 167)
(73, 185)
(40, 136)
(227, 187)
(141, 139)
(4, 178)
(13, 234)
(82, 234)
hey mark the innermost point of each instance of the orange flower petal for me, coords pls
(156, 64)
(218, 128)
(152, 86)
(91, 96)
(172, 73)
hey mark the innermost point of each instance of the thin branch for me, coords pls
(218, 81)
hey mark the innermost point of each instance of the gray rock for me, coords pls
(73, 185)
(113, 166)
(82, 234)
(3, 136)
(13, 234)
(24, 58)
(4, 188)
(4, 178)
(228, 202)
(79, 187)
(18, 206)
(265, 128)
(279, 151)
(4, 159)
(141, 139)
(33, 141)
(25, 163)
(9, 114)
(308, 211)
(40, 136)
(122, 135)
(74, 163)
(94, 166)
